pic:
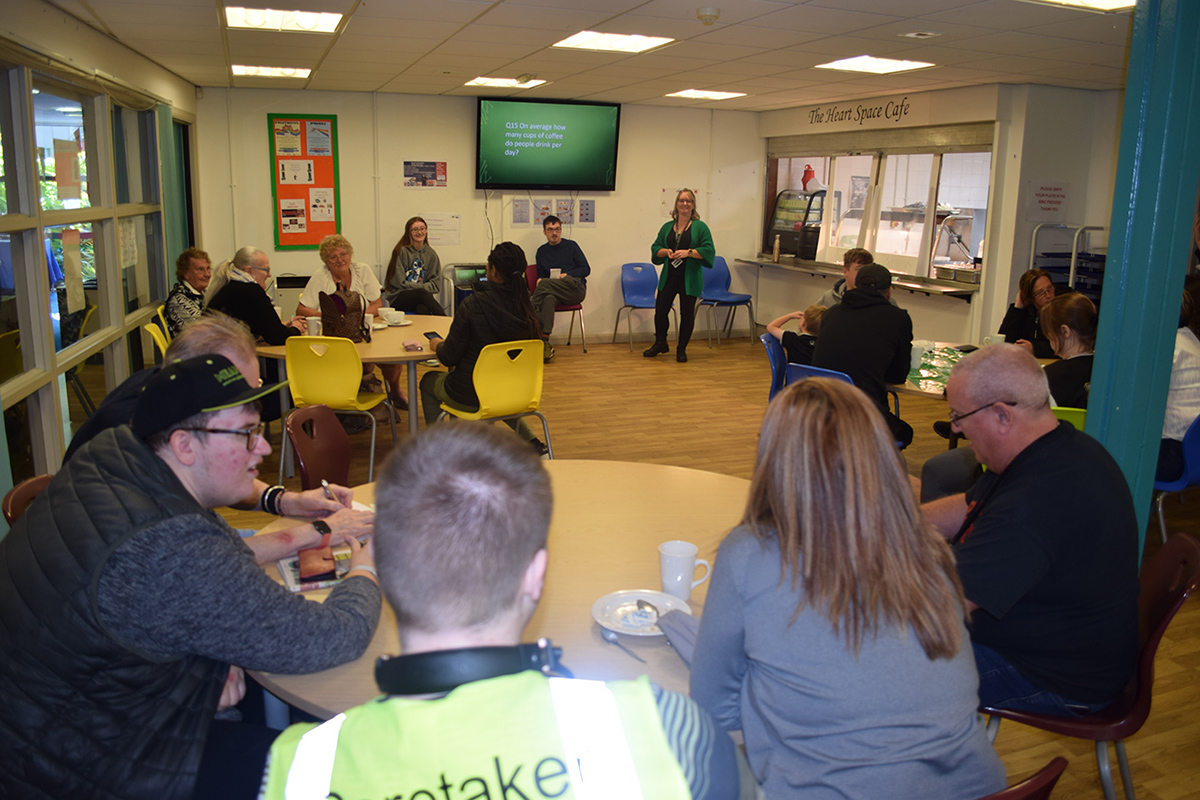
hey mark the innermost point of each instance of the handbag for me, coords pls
(343, 314)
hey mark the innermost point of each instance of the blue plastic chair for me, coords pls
(639, 284)
(716, 294)
(798, 372)
(1190, 476)
(778, 361)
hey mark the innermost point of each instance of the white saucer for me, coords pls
(379, 326)
(619, 612)
(402, 323)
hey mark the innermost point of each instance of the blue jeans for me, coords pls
(1002, 686)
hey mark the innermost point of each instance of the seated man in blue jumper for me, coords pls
(463, 517)
(569, 288)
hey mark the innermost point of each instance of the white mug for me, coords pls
(314, 325)
(677, 563)
(368, 320)
(391, 316)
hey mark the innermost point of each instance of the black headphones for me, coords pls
(440, 671)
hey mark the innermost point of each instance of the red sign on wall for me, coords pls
(304, 160)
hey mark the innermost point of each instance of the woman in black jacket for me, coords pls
(498, 310)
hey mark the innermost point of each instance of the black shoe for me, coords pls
(539, 447)
(681, 355)
(655, 349)
(942, 428)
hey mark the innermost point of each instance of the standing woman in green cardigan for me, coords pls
(682, 248)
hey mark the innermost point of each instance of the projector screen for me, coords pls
(546, 144)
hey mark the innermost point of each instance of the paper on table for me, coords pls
(357, 506)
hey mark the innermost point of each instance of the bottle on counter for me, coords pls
(775, 250)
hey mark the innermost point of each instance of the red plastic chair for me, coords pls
(1037, 786)
(321, 445)
(20, 496)
(1165, 583)
(531, 278)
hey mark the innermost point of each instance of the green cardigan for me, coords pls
(702, 243)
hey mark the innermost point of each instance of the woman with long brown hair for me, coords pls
(414, 273)
(833, 635)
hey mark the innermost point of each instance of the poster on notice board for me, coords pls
(304, 182)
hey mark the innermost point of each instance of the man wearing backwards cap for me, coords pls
(124, 601)
(869, 339)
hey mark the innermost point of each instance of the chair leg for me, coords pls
(545, 432)
(1126, 775)
(993, 727)
(709, 309)
(617, 324)
(371, 458)
(582, 331)
(1162, 519)
(571, 330)
(753, 324)
(1106, 781)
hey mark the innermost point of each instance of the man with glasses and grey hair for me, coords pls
(129, 607)
(1046, 544)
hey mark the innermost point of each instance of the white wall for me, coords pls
(719, 154)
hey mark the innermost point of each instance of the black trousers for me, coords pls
(417, 301)
(662, 308)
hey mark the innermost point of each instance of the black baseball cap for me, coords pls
(873, 276)
(187, 387)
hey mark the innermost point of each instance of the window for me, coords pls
(962, 209)
(904, 196)
(847, 203)
(71, 270)
(61, 145)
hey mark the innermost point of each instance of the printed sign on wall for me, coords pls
(305, 183)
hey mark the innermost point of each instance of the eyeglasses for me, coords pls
(341, 255)
(251, 434)
(261, 269)
(956, 418)
(417, 230)
(554, 229)
(1045, 293)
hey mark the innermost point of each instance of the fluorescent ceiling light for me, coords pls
(504, 83)
(697, 94)
(270, 72)
(270, 19)
(878, 66)
(1089, 5)
(613, 42)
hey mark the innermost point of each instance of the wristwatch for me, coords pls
(322, 527)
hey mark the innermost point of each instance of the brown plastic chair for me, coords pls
(1165, 583)
(20, 496)
(321, 445)
(1036, 787)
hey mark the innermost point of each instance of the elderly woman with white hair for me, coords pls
(239, 288)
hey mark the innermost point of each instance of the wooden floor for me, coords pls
(609, 404)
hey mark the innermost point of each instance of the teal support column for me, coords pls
(173, 203)
(1154, 203)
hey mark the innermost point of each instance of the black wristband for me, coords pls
(270, 499)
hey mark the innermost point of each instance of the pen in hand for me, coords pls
(328, 492)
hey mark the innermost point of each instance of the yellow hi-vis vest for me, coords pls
(515, 737)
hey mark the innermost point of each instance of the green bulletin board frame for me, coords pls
(304, 174)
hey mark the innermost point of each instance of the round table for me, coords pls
(609, 518)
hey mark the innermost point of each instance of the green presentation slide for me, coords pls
(547, 144)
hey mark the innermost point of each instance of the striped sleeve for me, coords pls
(705, 753)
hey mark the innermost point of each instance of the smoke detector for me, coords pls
(708, 15)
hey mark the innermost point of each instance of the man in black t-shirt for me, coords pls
(1046, 544)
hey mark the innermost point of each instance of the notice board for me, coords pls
(304, 180)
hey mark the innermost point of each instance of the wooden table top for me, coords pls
(387, 345)
(609, 518)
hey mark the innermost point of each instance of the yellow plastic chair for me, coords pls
(327, 370)
(1075, 416)
(11, 364)
(162, 320)
(160, 340)
(508, 381)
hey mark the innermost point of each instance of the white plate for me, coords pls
(402, 323)
(379, 326)
(619, 612)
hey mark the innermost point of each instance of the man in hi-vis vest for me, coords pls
(462, 517)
